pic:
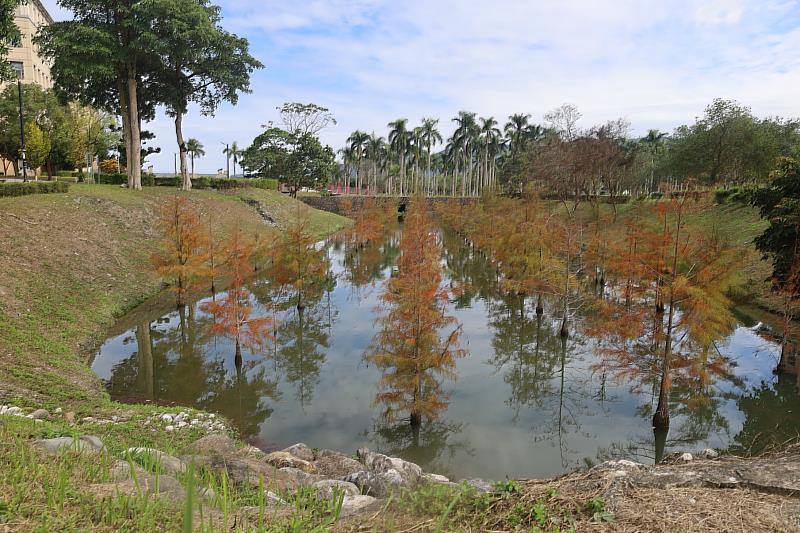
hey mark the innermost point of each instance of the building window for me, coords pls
(19, 69)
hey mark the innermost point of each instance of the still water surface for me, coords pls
(525, 404)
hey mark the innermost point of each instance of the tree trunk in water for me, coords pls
(238, 358)
(186, 181)
(145, 359)
(135, 154)
(539, 306)
(416, 419)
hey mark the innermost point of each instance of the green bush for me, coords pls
(67, 173)
(162, 181)
(32, 187)
(721, 195)
(67, 179)
(656, 195)
(148, 180)
(112, 179)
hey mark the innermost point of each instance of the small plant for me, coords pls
(509, 486)
(596, 505)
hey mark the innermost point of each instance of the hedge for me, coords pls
(200, 182)
(32, 187)
(67, 173)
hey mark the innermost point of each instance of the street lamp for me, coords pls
(227, 159)
(20, 74)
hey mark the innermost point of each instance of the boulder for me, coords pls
(164, 486)
(86, 443)
(379, 463)
(479, 484)
(304, 479)
(709, 453)
(352, 505)
(170, 464)
(435, 478)
(301, 451)
(337, 465)
(246, 470)
(379, 485)
(40, 414)
(213, 445)
(327, 487)
(283, 459)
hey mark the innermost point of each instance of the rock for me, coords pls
(87, 420)
(169, 429)
(214, 445)
(282, 459)
(251, 451)
(87, 443)
(337, 465)
(686, 457)
(164, 486)
(121, 470)
(40, 414)
(379, 463)
(274, 499)
(166, 418)
(207, 493)
(435, 478)
(709, 453)
(352, 505)
(58, 411)
(326, 488)
(301, 451)
(170, 464)
(245, 470)
(304, 479)
(180, 417)
(11, 410)
(479, 484)
(181, 424)
(379, 485)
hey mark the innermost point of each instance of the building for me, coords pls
(24, 57)
(29, 17)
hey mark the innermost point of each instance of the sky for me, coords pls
(655, 63)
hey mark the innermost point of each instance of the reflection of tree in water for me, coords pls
(174, 367)
(536, 361)
(527, 349)
(431, 444)
(301, 334)
(242, 397)
(469, 270)
(365, 262)
(772, 416)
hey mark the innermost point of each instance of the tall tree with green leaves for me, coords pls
(104, 57)
(297, 159)
(431, 137)
(201, 62)
(399, 138)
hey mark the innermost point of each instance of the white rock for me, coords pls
(709, 453)
(58, 410)
(435, 478)
(354, 504)
(180, 417)
(166, 418)
(115, 418)
(686, 457)
(182, 424)
(212, 415)
(275, 499)
(88, 419)
(169, 428)
(327, 487)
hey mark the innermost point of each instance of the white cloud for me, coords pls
(656, 63)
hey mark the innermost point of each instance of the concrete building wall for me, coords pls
(29, 17)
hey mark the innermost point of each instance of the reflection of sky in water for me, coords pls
(483, 433)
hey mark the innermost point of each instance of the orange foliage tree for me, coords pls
(297, 264)
(233, 314)
(182, 254)
(409, 349)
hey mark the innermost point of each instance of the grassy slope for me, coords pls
(73, 262)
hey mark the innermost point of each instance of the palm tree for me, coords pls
(235, 152)
(358, 141)
(398, 141)
(431, 137)
(654, 141)
(516, 128)
(467, 134)
(490, 135)
(375, 152)
(195, 149)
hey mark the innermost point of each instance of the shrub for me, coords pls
(32, 187)
(721, 195)
(67, 173)
(148, 180)
(161, 181)
(67, 179)
(112, 179)
(656, 195)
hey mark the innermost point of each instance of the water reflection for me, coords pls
(527, 402)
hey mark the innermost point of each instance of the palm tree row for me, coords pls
(405, 162)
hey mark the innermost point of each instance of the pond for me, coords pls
(525, 403)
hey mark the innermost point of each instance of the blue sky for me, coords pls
(657, 64)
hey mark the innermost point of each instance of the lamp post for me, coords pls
(20, 72)
(227, 159)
